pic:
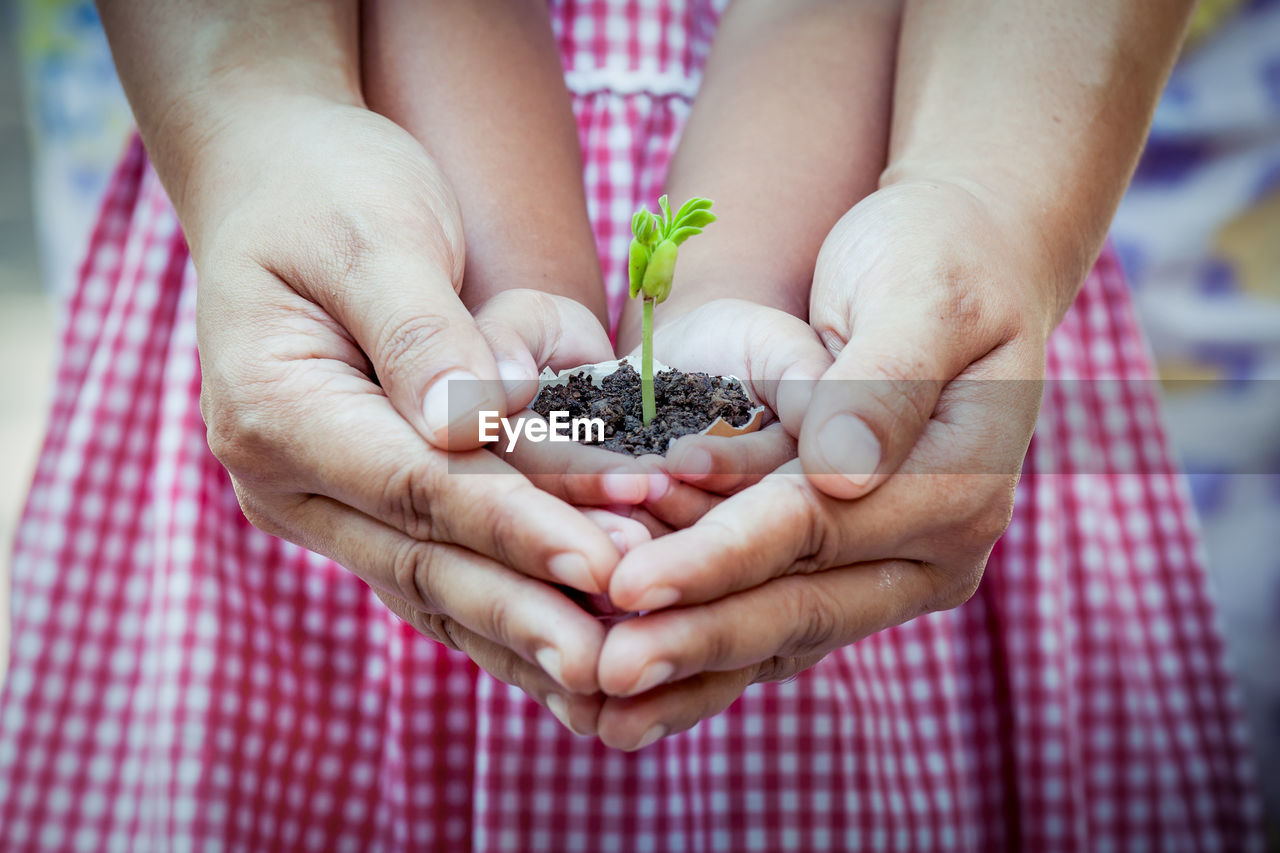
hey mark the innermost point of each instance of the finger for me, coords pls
(528, 330)
(625, 533)
(579, 474)
(727, 465)
(781, 669)
(797, 616)
(529, 617)
(575, 712)
(651, 523)
(869, 409)
(674, 503)
(772, 528)
(401, 305)
(948, 505)
(635, 723)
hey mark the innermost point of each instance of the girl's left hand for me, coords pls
(938, 326)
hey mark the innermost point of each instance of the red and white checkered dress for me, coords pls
(182, 680)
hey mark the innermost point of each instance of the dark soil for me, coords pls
(686, 403)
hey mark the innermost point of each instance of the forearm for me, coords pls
(479, 83)
(1040, 108)
(787, 133)
(189, 66)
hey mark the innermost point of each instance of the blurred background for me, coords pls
(1199, 234)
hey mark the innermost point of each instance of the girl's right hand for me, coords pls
(329, 252)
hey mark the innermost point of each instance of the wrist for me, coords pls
(238, 150)
(1047, 249)
(195, 81)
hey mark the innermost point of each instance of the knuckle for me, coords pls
(378, 219)
(525, 302)
(413, 566)
(450, 632)
(815, 617)
(403, 341)
(988, 520)
(772, 669)
(439, 627)
(900, 366)
(904, 395)
(780, 668)
(349, 237)
(958, 587)
(254, 511)
(575, 486)
(821, 541)
(243, 433)
(344, 242)
(541, 307)
(959, 300)
(498, 615)
(717, 649)
(500, 523)
(408, 499)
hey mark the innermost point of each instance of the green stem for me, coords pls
(646, 364)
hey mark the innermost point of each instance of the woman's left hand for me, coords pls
(938, 327)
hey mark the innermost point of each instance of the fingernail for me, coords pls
(514, 376)
(559, 706)
(849, 448)
(657, 597)
(649, 737)
(452, 398)
(659, 485)
(651, 676)
(695, 463)
(619, 541)
(549, 659)
(625, 487)
(570, 568)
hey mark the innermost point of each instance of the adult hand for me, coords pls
(329, 252)
(919, 290)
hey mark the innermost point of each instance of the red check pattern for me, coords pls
(181, 680)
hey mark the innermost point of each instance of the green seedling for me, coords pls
(654, 244)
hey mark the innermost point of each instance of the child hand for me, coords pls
(725, 337)
(777, 356)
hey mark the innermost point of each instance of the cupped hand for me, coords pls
(329, 250)
(937, 324)
(777, 356)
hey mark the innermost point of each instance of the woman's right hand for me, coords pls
(329, 252)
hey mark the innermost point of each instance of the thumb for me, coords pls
(403, 311)
(871, 406)
(528, 330)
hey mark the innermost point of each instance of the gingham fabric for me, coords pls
(181, 680)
